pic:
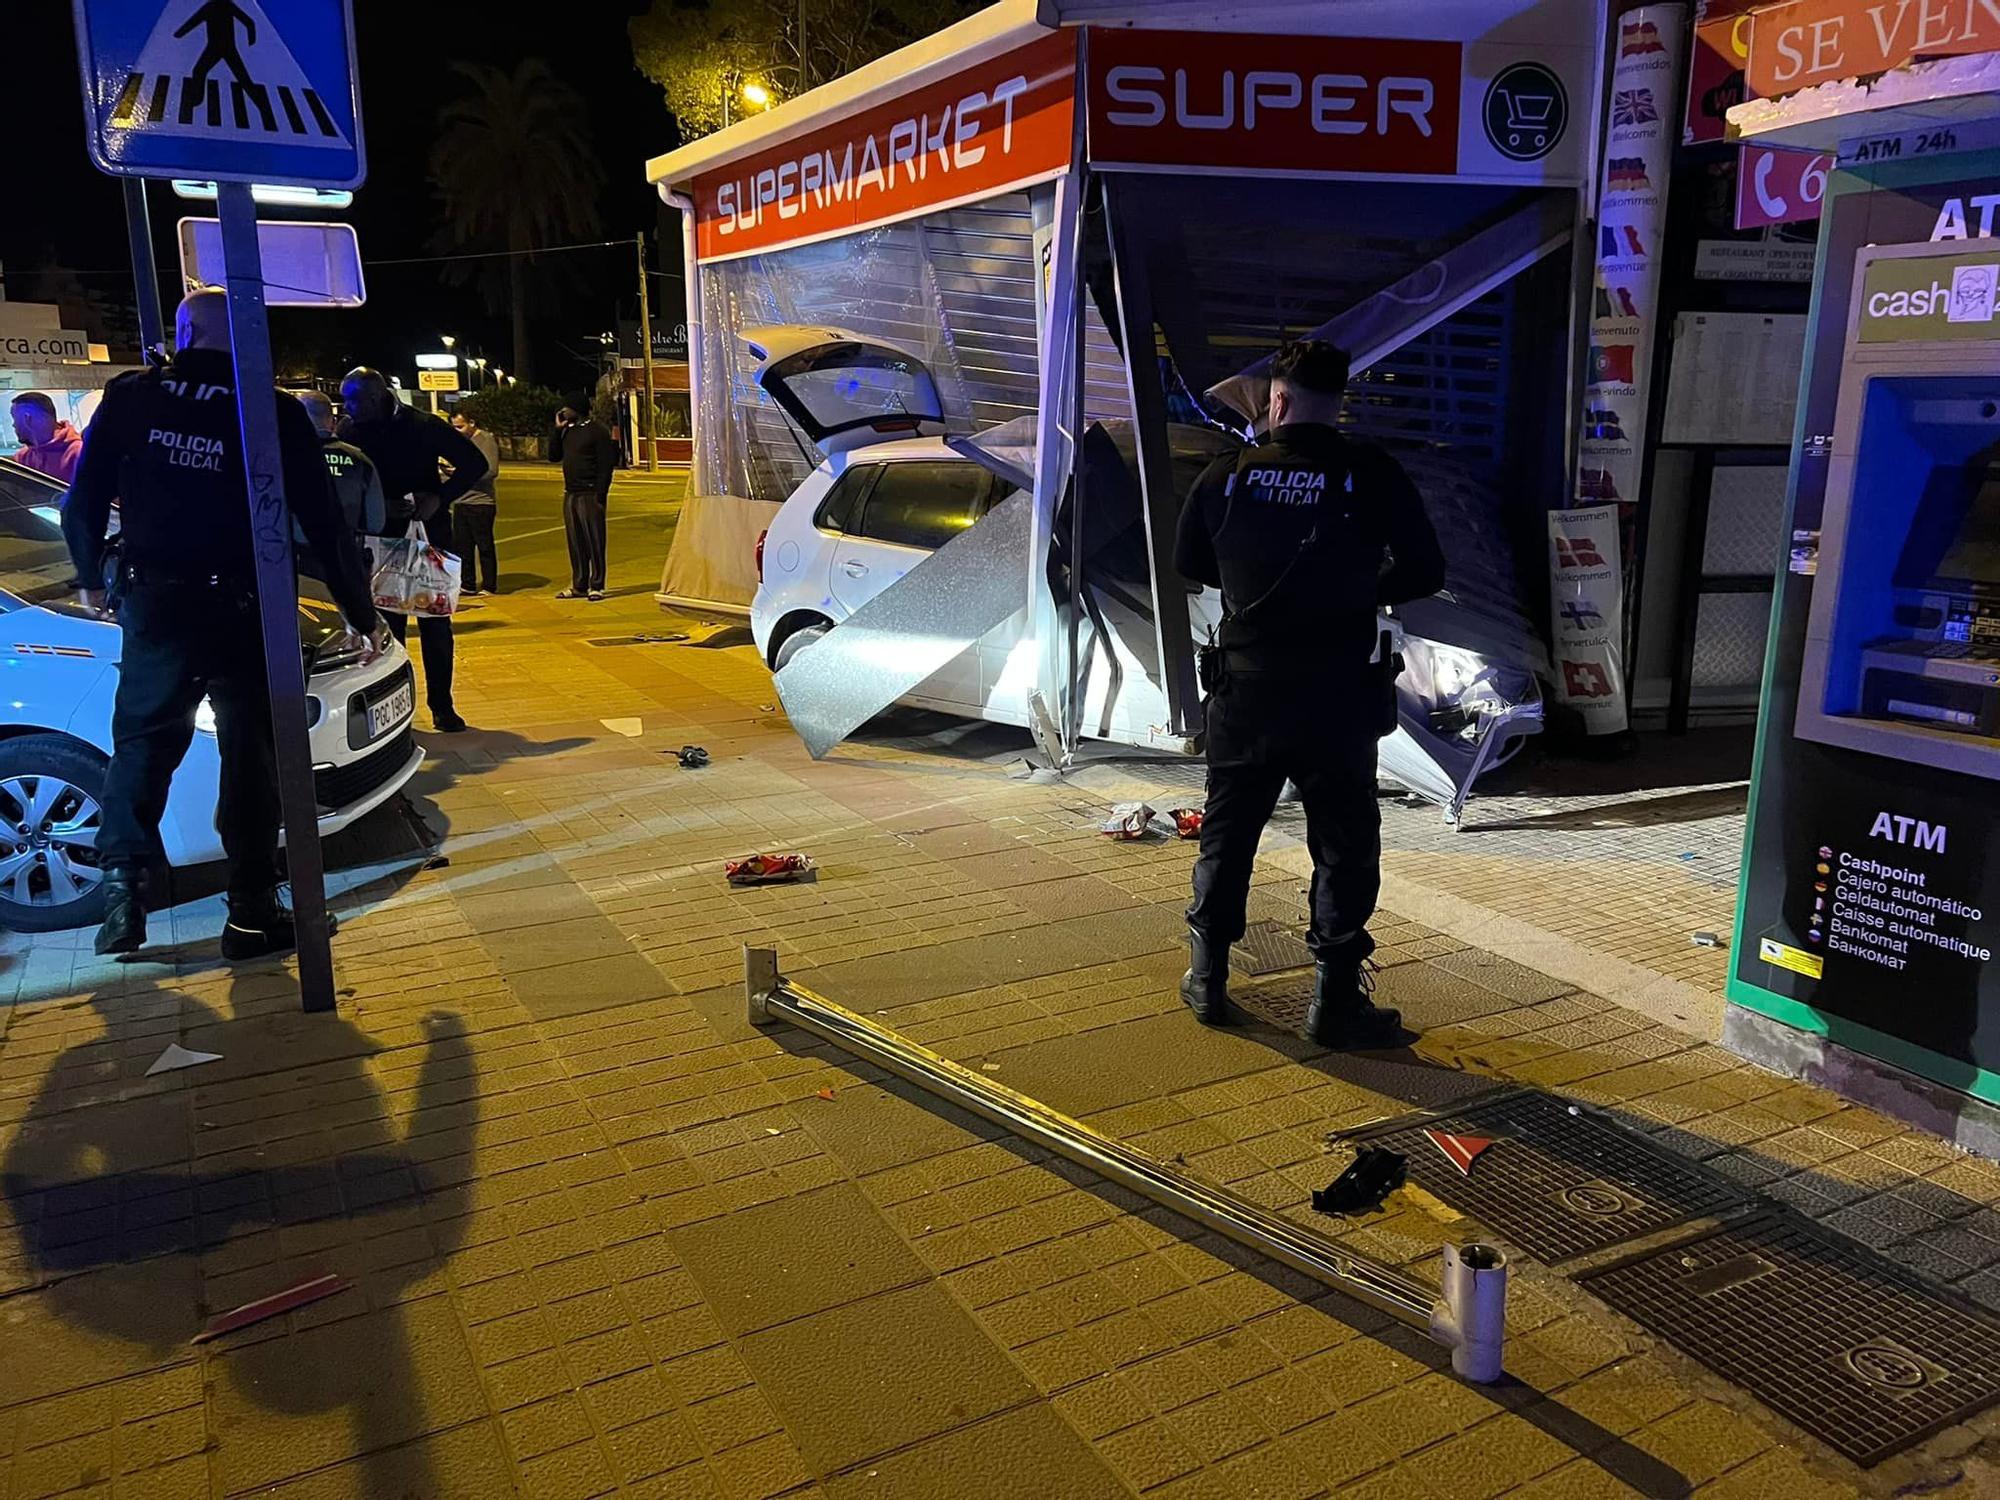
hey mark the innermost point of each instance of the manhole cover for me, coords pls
(1269, 948)
(1851, 1348)
(1558, 1185)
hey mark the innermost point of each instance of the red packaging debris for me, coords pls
(290, 1298)
(1128, 821)
(1187, 822)
(768, 869)
(1460, 1150)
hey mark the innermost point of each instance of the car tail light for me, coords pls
(760, 553)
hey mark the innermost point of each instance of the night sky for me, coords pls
(57, 202)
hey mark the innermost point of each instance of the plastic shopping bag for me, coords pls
(408, 576)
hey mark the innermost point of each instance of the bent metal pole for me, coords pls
(1469, 1319)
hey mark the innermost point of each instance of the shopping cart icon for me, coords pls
(1527, 111)
(1529, 119)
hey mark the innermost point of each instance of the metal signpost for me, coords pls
(233, 92)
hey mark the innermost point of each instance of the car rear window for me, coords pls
(925, 504)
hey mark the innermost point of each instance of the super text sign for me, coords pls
(223, 90)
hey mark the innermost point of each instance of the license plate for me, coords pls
(391, 711)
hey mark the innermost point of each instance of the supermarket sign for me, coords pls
(990, 128)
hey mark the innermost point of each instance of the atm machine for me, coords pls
(1903, 647)
(1870, 900)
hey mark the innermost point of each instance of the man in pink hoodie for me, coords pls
(53, 447)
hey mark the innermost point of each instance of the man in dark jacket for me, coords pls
(407, 446)
(588, 455)
(1307, 534)
(168, 445)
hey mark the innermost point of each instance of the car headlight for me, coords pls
(204, 714)
(1453, 670)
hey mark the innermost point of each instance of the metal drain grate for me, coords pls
(1841, 1342)
(1269, 948)
(1557, 1184)
(674, 638)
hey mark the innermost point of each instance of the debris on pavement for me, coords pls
(630, 728)
(177, 1057)
(1187, 822)
(291, 1297)
(768, 869)
(1035, 773)
(1130, 821)
(1706, 940)
(1460, 1150)
(1372, 1177)
(826, 1094)
(693, 757)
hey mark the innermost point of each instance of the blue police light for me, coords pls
(274, 194)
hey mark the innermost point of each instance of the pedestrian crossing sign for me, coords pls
(223, 90)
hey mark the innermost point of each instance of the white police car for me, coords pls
(58, 675)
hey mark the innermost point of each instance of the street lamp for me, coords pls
(448, 340)
(735, 85)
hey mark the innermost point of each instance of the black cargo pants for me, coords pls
(1265, 727)
(184, 642)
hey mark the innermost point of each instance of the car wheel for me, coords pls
(797, 641)
(50, 791)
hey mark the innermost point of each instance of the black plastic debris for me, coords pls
(693, 757)
(1372, 1177)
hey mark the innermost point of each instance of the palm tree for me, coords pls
(515, 171)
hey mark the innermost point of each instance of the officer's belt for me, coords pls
(151, 574)
(1312, 666)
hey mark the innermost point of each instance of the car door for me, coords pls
(844, 390)
(914, 507)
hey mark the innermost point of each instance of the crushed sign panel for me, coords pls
(233, 90)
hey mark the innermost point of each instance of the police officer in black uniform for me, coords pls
(1306, 534)
(406, 447)
(166, 443)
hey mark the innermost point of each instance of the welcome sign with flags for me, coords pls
(224, 90)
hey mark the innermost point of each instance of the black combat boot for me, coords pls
(258, 926)
(1205, 986)
(1342, 1015)
(124, 929)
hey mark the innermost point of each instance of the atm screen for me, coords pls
(1954, 540)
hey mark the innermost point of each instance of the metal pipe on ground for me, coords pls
(1469, 1318)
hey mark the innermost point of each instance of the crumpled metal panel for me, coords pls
(911, 629)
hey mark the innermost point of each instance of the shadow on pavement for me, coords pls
(1681, 807)
(1644, 1473)
(127, 1226)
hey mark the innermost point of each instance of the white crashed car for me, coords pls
(891, 488)
(55, 725)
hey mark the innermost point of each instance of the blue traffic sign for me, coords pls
(224, 90)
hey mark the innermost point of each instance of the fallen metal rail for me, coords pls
(1468, 1319)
